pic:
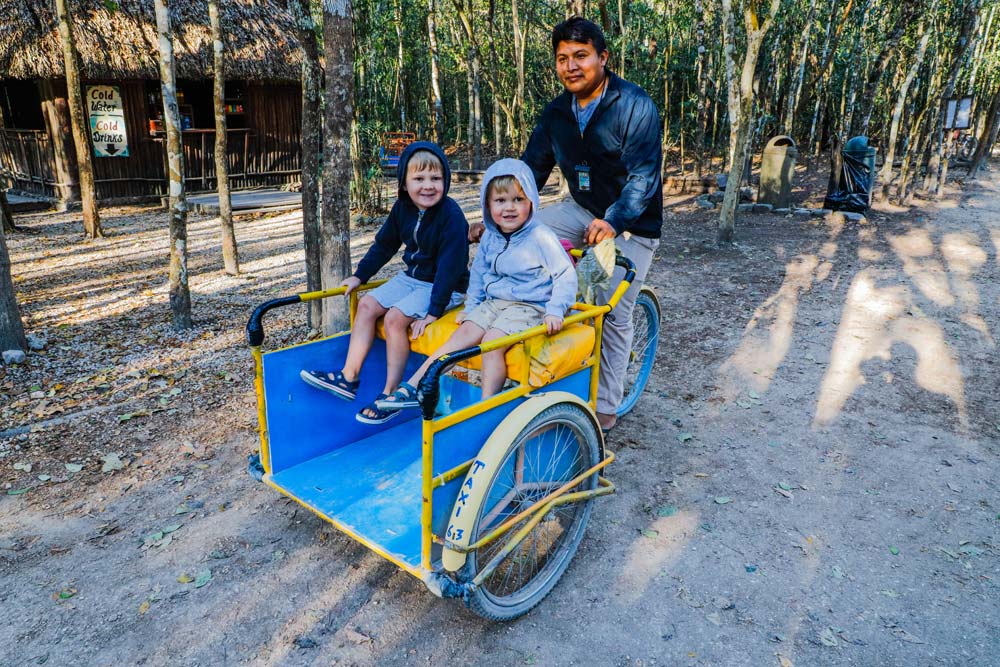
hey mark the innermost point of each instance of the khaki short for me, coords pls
(507, 316)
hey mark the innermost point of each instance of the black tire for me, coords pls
(557, 445)
(645, 340)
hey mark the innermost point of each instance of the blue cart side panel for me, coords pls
(463, 441)
(304, 422)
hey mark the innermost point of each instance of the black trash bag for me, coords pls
(855, 186)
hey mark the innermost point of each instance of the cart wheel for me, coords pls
(558, 444)
(646, 322)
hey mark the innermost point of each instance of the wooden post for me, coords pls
(180, 295)
(230, 255)
(84, 155)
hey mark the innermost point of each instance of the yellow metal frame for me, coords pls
(431, 426)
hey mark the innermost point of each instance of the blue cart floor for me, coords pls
(372, 488)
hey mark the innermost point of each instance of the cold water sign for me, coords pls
(107, 121)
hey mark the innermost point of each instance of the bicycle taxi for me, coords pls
(483, 500)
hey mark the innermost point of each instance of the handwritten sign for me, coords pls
(107, 121)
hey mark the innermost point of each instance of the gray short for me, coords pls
(408, 295)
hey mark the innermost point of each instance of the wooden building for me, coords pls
(120, 76)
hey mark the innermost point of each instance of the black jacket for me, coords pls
(437, 252)
(621, 145)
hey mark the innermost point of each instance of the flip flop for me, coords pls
(404, 397)
(335, 383)
(379, 416)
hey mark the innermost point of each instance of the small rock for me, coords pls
(746, 194)
(36, 343)
(37, 394)
(704, 202)
(745, 208)
(820, 212)
(716, 197)
(721, 180)
(855, 217)
(782, 211)
(762, 208)
(803, 212)
(13, 357)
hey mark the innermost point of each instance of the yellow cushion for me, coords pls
(542, 359)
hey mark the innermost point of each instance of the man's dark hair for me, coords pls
(579, 29)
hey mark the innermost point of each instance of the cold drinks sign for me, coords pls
(107, 121)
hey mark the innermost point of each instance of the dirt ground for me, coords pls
(810, 479)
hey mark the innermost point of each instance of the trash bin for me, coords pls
(856, 181)
(777, 167)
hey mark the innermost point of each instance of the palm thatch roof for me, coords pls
(117, 39)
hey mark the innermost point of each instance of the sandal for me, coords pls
(378, 415)
(335, 383)
(405, 396)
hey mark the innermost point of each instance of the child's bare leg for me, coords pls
(397, 347)
(362, 335)
(467, 335)
(494, 365)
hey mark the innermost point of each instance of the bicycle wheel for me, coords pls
(646, 337)
(557, 445)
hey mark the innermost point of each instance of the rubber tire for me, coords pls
(647, 307)
(515, 605)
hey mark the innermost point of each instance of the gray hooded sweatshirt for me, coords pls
(530, 265)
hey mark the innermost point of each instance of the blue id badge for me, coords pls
(583, 177)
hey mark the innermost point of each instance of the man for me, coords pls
(604, 133)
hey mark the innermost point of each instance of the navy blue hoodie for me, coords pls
(435, 252)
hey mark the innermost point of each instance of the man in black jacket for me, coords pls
(604, 133)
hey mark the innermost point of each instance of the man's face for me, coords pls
(424, 187)
(580, 67)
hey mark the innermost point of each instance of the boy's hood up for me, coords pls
(404, 160)
(520, 171)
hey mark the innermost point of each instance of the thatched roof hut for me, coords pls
(117, 39)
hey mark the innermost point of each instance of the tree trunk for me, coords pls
(230, 255)
(988, 136)
(795, 90)
(335, 234)
(741, 95)
(6, 214)
(436, 126)
(400, 65)
(519, 105)
(311, 142)
(84, 156)
(702, 78)
(180, 294)
(897, 113)
(11, 328)
(55, 108)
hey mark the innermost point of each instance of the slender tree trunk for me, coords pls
(335, 239)
(84, 156)
(741, 95)
(795, 90)
(180, 294)
(897, 113)
(312, 153)
(230, 254)
(436, 126)
(988, 136)
(702, 78)
(400, 65)
(519, 105)
(6, 213)
(11, 328)
(856, 72)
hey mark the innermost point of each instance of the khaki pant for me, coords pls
(569, 221)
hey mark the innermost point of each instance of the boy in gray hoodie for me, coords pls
(520, 278)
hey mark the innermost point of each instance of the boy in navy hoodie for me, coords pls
(434, 234)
